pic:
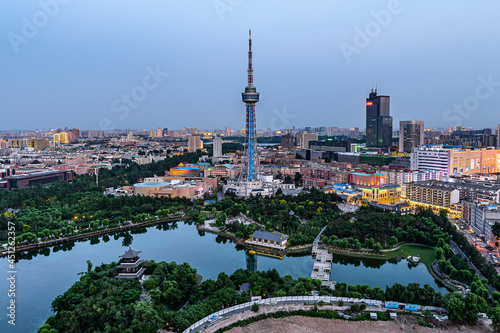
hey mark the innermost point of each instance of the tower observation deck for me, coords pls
(250, 182)
(250, 97)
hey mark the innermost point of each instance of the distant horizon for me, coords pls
(395, 129)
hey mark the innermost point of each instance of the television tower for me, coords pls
(250, 97)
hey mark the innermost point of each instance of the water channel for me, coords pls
(46, 273)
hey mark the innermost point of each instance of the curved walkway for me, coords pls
(232, 314)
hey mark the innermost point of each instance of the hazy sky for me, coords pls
(73, 63)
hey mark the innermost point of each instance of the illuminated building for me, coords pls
(250, 97)
(411, 135)
(378, 121)
(159, 133)
(173, 187)
(249, 182)
(186, 171)
(382, 193)
(274, 239)
(366, 179)
(194, 143)
(64, 137)
(40, 144)
(430, 194)
(455, 161)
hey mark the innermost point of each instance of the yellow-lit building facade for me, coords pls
(474, 161)
(433, 197)
(382, 193)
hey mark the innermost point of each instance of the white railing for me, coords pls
(297, 299)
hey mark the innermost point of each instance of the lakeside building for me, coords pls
(130, 265)
(273, 240)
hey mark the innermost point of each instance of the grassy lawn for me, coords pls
(427, 255)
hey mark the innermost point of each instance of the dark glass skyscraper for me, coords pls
(378, 121)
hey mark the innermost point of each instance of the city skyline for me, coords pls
(56, 75)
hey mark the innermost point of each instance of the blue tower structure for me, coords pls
(250, 97)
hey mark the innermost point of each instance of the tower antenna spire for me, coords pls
(250, 68)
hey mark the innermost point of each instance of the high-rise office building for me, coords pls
(194, 143)
(287, 141)
(217, 146)
(159, 133)
(411, 135)
(165, 132)
(378, 121)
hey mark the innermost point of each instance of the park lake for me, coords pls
(44, 274)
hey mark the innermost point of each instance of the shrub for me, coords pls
(255, 307)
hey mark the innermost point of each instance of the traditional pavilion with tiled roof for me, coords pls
(130, 265)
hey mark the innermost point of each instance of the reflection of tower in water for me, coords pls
(251, 259)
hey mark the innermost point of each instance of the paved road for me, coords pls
(248, 308)
(456, 250)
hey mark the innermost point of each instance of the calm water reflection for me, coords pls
(46, 273)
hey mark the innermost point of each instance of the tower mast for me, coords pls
(250, 97)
